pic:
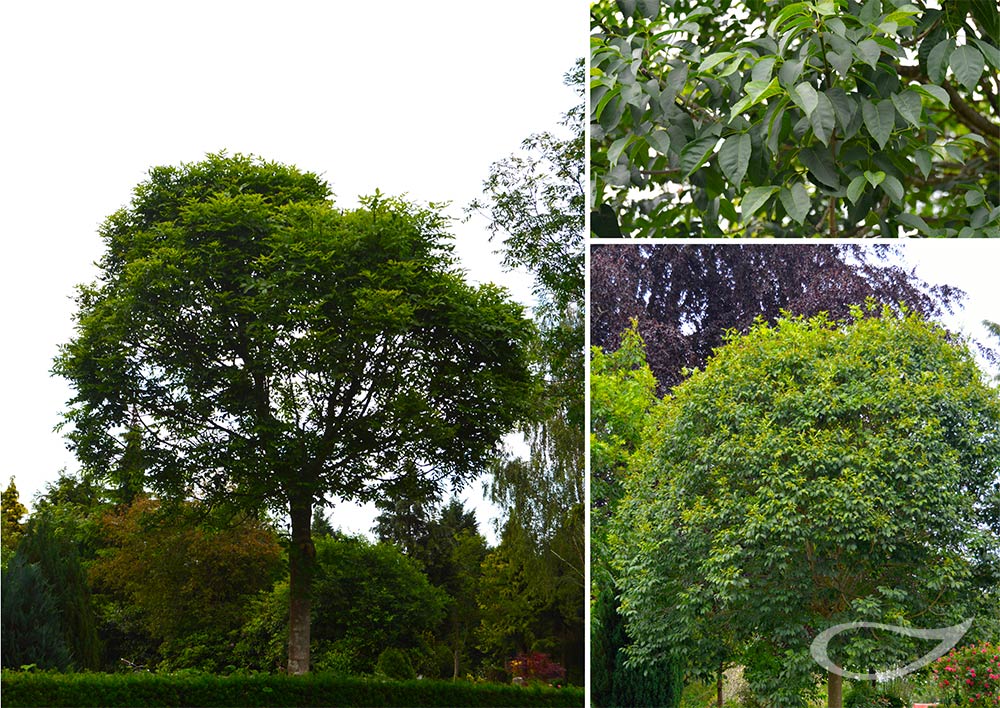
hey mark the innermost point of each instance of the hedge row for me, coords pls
(135, 690)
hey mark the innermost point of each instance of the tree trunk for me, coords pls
(834, 690)
(454, 676)
(301, 559)
(718, 686)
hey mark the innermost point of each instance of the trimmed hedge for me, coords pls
(206, 690)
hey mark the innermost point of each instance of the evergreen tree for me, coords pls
(32, 629)
(58, 562)
(12, 510)
(612, 683)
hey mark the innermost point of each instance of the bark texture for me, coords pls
(301, 560)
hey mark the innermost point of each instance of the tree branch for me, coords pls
(969, 116)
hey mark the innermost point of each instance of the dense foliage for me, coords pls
(622, 396)
(814, 472)
(836, 118)
(30, 690)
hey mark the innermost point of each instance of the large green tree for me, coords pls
(270, 349)
(815, 118)
(814, 472)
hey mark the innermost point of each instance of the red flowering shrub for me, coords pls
(970, 676)
(535, 667)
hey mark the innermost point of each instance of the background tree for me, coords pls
(54, 554)
(31, 627)
(686, 297)
(275, 350)
(825, 117)
(12, 510)
(813, 473)
(191, 584)
(450, 549)
(534, 201)
(367, 597)
(622, 396)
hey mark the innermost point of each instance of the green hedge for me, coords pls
(138, 689)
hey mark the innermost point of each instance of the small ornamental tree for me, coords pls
(534, 667)
(836, 118)
(261, 348)
(813, 473)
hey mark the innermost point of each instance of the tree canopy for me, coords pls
(270, 349)
(814, 472)
(685, 297)
(834, 118)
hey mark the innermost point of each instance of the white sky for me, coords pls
(970, 264)
(415, 98)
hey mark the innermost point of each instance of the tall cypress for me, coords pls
(612, 683)
(58, 563)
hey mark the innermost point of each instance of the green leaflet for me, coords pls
(754, 199)
(968, 64)
(713, 60)
(805, 97)
(937, 60)
(649, 8)
(796, 201)
(617, 148)
(909, 106)
(762, 69)
(823, 119)
(874, 178)
(788, 12)
(868, 51)
(916, 222)
(991, 53)
(894, 188)
(879, 120)
(734, 156)
(821, 165)
(696, 153)
(627, 7)
(973, 197)
(935, 92)
(856, 188)
(659, 140)
(757, 91)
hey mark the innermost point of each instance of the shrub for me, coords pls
(25, 690)
(395, 664)
(535, 667)
(864, 695)
(969, 676)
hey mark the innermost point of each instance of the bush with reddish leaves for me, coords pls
(536, 667)
(970, 676)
